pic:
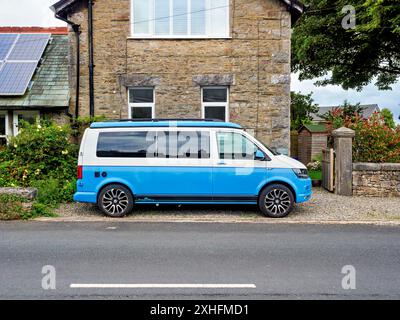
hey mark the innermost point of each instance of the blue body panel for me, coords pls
(191, 185)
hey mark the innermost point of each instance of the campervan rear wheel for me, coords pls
(276, 201)
(115, 200)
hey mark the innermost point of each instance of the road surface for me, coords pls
(197, 261)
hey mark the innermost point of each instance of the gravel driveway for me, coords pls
(324, 206)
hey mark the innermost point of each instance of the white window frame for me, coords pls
(144, 104)
(7, 133)
(151, 34)
(204, 105)
(34, 113)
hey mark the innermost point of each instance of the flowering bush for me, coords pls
(375, 141)
(314, 165)
(39, 153)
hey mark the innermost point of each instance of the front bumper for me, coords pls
(304, 190)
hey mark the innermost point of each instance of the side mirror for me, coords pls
(259, 155)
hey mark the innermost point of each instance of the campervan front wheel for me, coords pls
(115, 200)
(276, 201)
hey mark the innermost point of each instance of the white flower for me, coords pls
(64, 152)
(15, 145)
(39, 126)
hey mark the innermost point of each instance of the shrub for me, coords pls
(41, 156)
(54, 191)
(375, 141)
(40, 151)
(11, 207)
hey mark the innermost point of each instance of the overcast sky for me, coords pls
(37, 13)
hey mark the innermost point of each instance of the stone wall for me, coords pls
(376, 179)
(255, 60)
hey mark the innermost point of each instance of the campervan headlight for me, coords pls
(301, 173)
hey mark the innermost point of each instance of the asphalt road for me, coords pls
(280, 261)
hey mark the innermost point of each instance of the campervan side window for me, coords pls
(139, 144)
(152, 144)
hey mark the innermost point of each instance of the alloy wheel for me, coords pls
(115, 201)
(277, 201)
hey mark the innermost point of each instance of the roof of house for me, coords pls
(314, 128)
(164, 123)
(49, 85)
(369, 109)
(51, 30)
(63, 7)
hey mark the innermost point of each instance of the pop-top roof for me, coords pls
(164, 123)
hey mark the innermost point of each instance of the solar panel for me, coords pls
(6, 42)
(20, 54)
(29, 47)
(15, 77)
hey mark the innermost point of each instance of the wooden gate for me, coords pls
(328, 167)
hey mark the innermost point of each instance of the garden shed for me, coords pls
(312, 139)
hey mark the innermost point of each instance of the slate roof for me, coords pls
(369, 109)
(50, 87)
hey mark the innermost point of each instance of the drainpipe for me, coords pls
(91, 65)
(76, 28)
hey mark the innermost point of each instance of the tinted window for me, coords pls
(141, 113)
(126, 144)
(215, 95)
(235, 146)
(214, 113)
(164, 144)
(183, 144)
(2, 125)
(142, 95)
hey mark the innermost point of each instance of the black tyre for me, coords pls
(276, 201)
(115, 200)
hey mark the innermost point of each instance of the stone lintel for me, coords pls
(138, 80)
(214, 79)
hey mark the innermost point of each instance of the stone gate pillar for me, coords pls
(343, 145)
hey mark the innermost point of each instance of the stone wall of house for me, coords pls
(376, 179)
(254, 62)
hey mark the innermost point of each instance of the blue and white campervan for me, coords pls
(126, 163)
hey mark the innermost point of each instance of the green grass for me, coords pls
(315, 175)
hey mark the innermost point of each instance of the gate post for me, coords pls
(343, 144)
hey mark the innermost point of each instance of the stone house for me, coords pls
(224, 59)
(368, 110)
(33, 76)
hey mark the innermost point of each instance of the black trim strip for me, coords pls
(195, 198)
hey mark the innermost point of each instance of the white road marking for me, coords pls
(163, 285)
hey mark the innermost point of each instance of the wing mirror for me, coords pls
(259, 155)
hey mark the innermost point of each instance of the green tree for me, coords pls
(352, 57)
(301, 108)
(388, 118)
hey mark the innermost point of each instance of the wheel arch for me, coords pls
(282, 182)
(111, 183)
